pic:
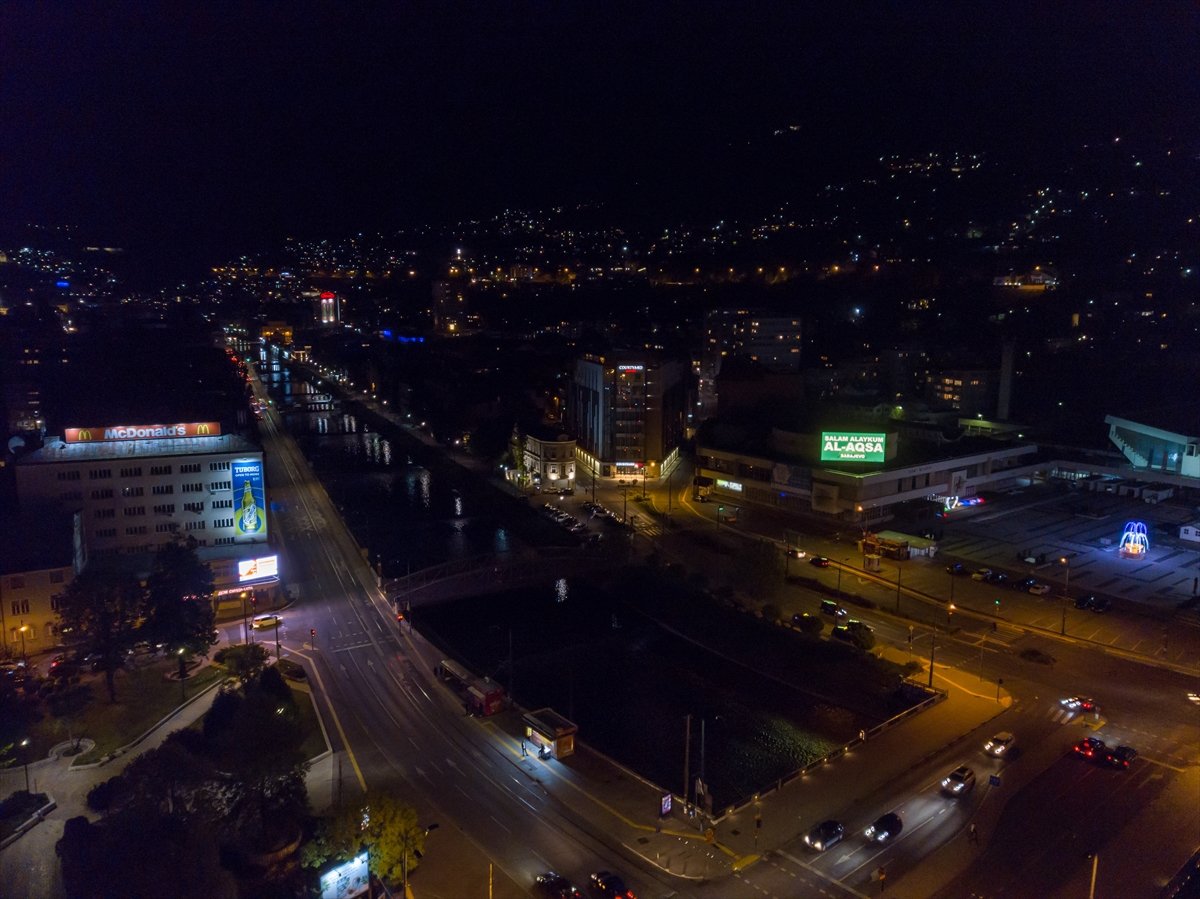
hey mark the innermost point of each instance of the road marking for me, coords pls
(362, 783)
(807, 867)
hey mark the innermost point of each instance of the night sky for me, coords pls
(193, 130)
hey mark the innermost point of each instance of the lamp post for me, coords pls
(24, 659)
(949, 614)
(899, 570)
(1063, 560)
(25, 759)
(278, 654)
(932, 653)
(428, 830)
(182, 675)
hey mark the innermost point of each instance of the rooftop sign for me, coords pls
(141, 432)
(843, 446)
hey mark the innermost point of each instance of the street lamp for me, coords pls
(24, 659)
(428, 830)
(949, 614)
(932, 653)
(182, 675)
(25, 758)
(1063, 560)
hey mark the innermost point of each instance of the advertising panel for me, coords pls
(258, 569)
(249, 500)
(844, 446)
(107, 433)
(347, 880)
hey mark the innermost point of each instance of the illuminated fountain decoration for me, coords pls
(1135, 542)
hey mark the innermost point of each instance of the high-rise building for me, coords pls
(627, 410)
(773, 341)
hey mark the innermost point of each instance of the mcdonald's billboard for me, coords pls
(142, 432)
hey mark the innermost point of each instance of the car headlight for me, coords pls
(870, 833)
(817, 845)
(946, 782)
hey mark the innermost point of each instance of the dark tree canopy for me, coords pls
(102, 610)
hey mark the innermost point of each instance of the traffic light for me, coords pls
(253, 602)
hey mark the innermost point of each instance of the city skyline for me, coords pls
(194, 135)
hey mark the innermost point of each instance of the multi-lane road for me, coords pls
(395, 728)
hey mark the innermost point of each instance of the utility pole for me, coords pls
(278, 655)
(702, 723)
(687, 755)
(932, 653)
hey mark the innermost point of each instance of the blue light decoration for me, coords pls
(62, 284)
(1135, 541)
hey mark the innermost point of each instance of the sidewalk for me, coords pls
(29, 867)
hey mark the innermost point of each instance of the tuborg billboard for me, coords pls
(249, 500)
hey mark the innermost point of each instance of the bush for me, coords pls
(107, 794)
(862, 638)
(771, 612)
(808, 624)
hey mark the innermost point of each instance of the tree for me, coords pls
(379, 822)
(244, 661)
(259, 745)
(757, 568)
(179, 610)
(67, 703)
(171, 779)
(102, 609)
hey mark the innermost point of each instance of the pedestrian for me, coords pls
(524, 751)
(973, 834)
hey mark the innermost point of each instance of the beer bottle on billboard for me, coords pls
(249, 511)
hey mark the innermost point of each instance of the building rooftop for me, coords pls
(55, 451)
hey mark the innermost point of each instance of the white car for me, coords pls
(269, 620)
(999, 745)
(1039, 589)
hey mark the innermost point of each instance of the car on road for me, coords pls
(1000, 745)
(959, 782)
(958, 569)
(884, 828)
(62, 666)
(981, 575)
(606, 885)
(825, 835)
(819, 561)
(552, 885)
(1099, 604)
(268, 620)
(1090, 748)
(1119, 757)
(829, 607)
(1024, 584)
(1038, 589)
(1079, 703)
(997, 578)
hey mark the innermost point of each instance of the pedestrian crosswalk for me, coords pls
(1173, 746)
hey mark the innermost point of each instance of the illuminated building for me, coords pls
(627, 413)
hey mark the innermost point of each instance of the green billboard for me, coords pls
(849, 446)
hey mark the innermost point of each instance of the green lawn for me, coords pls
(144, 697)
(314, 739)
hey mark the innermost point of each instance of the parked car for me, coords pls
(1100, 604)
(1120, 757)
(959, 782)
(981, 575)
(885, 828)
(1000, 745)
(551, 885)
(1039, 589)
(606, 885)
(819, 561)
(825, 835)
